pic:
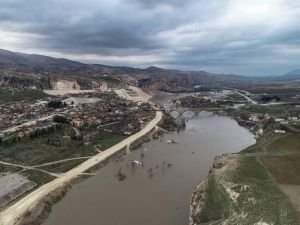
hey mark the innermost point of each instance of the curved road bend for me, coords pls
(12, 214)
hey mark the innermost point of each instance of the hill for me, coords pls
(292, 75)
(19, 70)
(20, 60)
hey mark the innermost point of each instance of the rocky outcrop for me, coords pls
(215, 190)
(65, 85)
(198, 200)
(98, 85)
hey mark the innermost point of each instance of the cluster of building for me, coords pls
(111, 114)
(259, 120)
(18, 114)
(231, 102)
(115, 115)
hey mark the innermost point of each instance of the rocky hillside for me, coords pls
(18, 70)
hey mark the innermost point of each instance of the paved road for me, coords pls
(246, 97)
(30, 123)
(14, 213)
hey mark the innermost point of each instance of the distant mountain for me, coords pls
(31, 70)
(290, 76)
(294, 72)
(293, 75)
(18, 60)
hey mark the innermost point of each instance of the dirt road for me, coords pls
(247, 98)
(12, 214)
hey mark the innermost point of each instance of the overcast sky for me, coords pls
(248, 37)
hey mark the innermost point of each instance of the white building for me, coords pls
(280, 131)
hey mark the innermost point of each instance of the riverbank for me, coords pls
(247, 187)
(259, 185)
(159, 191)
(24, 208)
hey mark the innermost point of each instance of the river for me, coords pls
(158, 192)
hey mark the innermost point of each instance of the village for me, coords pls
(259, 113)
(45, 138)
(22, 119)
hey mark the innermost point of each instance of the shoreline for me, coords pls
(217, 198)
(199, 196)
(25, 206)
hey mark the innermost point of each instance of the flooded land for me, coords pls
(158, 191)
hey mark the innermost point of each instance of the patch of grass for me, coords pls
(296, 126)
(270, 204)
(110, 80)
(250, 170)
(272, 110)
(108, 141)
(9, 169)
(207, 88)
(62, 167)
(285, 94)
(37, 150)
(284, 144)
(261, 145)
(7, 96)
(274, 91)
(37, 176)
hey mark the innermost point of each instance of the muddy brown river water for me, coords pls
(157, 193)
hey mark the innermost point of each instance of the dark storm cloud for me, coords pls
(241, 36)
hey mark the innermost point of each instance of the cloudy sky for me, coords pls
(249, 37)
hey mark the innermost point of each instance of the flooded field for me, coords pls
(158, 191)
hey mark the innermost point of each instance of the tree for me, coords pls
(60, 119)
(55, 104)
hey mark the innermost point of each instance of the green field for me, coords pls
(270, 204)
(7, 96)
(8, 169)
(37, 176)
(37, 150)
(285, 93)
(63, 166)
(272, 110)
(108, 141)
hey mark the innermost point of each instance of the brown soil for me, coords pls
(285, 169)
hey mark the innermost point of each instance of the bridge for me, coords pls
(181, 111)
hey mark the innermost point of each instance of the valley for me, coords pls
(62, 120)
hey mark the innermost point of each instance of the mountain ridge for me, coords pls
(33, 70)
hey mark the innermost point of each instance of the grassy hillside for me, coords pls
(247, 188)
